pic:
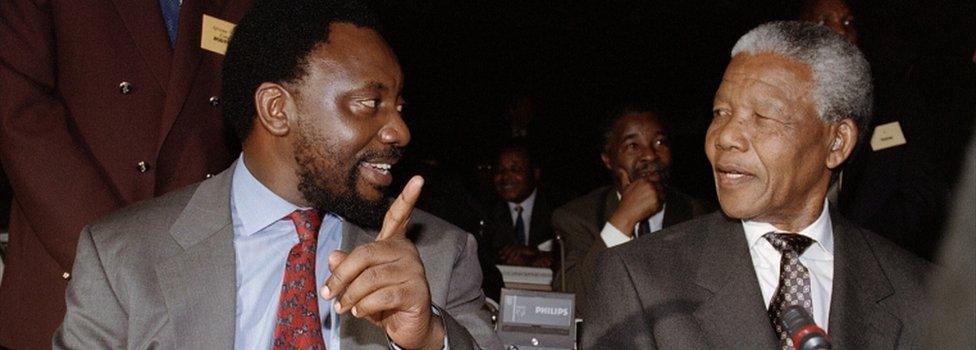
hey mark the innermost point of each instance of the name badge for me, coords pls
(215, 34)
(887, 136)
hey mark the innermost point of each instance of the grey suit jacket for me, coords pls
(693, 286)
(161, 274)
(580, 221)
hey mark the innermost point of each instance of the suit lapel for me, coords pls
(358, 333)
(144, 20)
(199, 285)
(734, 314)
(539, 229)
(186, 58)
(857, 321)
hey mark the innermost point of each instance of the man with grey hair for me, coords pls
(786, 117)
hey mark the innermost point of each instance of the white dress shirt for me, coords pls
(527, 206)
(613, 237)
(818, 259)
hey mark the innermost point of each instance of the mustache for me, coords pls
(648, 167)
(392, 153)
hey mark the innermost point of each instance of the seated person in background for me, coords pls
(786, 116)
(296, 244)
(520, 219)
(637, 154)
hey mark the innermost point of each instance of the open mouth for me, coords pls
(377, 172)
(730, 174)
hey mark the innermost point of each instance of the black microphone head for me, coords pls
(796, 316)
(803, 329)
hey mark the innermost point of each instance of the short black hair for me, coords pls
(625, 109)
(518, 145)
(272, 43)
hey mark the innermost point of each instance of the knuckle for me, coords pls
(337, 278)
(373, 275)
(369, 250)
(397, 296)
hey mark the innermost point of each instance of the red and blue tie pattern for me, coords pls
(298, 325)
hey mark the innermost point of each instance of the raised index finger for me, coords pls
(398, 216)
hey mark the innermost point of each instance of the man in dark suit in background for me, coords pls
(636, 151)
(785, 118)
(520, 218)
(104, 104)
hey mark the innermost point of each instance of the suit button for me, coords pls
(125, 87)
(214, 100)
(66, 276)
(142, 167)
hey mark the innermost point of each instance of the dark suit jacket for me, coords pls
(501, 228)
(72, 141)
(693, 286)
(581, 220)
(896, 193)
(161, 274)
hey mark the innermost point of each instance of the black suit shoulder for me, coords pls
(669, 249)
(907, 272)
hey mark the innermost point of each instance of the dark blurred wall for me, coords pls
(465, 62)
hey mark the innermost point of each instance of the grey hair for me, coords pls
(841, 74)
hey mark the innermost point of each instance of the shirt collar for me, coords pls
(256, 205)
(821, 231)
(527, 204)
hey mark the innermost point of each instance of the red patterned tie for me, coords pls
(298, 325)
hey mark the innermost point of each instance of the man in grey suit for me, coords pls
(637, 152)
(786, 116)
(237, 260)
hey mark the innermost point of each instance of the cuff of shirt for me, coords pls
(436, 313)
(612, 236)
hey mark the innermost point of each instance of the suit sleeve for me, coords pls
(581, 251)
(613, 316)
(55, 182)
(465, 320)
(95, 318)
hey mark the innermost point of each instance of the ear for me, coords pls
(605, 157)
(841, 144)
(273, 104)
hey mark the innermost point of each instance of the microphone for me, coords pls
(804, 332)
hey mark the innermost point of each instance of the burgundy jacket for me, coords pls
(97, 111)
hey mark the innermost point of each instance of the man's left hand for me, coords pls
(384, 281)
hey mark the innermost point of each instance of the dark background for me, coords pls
(466, 61)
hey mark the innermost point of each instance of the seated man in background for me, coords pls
(786, 117)
(520, 218)
(237, 260)
(636, 151)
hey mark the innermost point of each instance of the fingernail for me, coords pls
(326, 292)
(355, 312)
(337, 306)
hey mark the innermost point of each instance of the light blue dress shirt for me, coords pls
(263, 236)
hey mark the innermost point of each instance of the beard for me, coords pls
(328, 188)
(642, 169)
